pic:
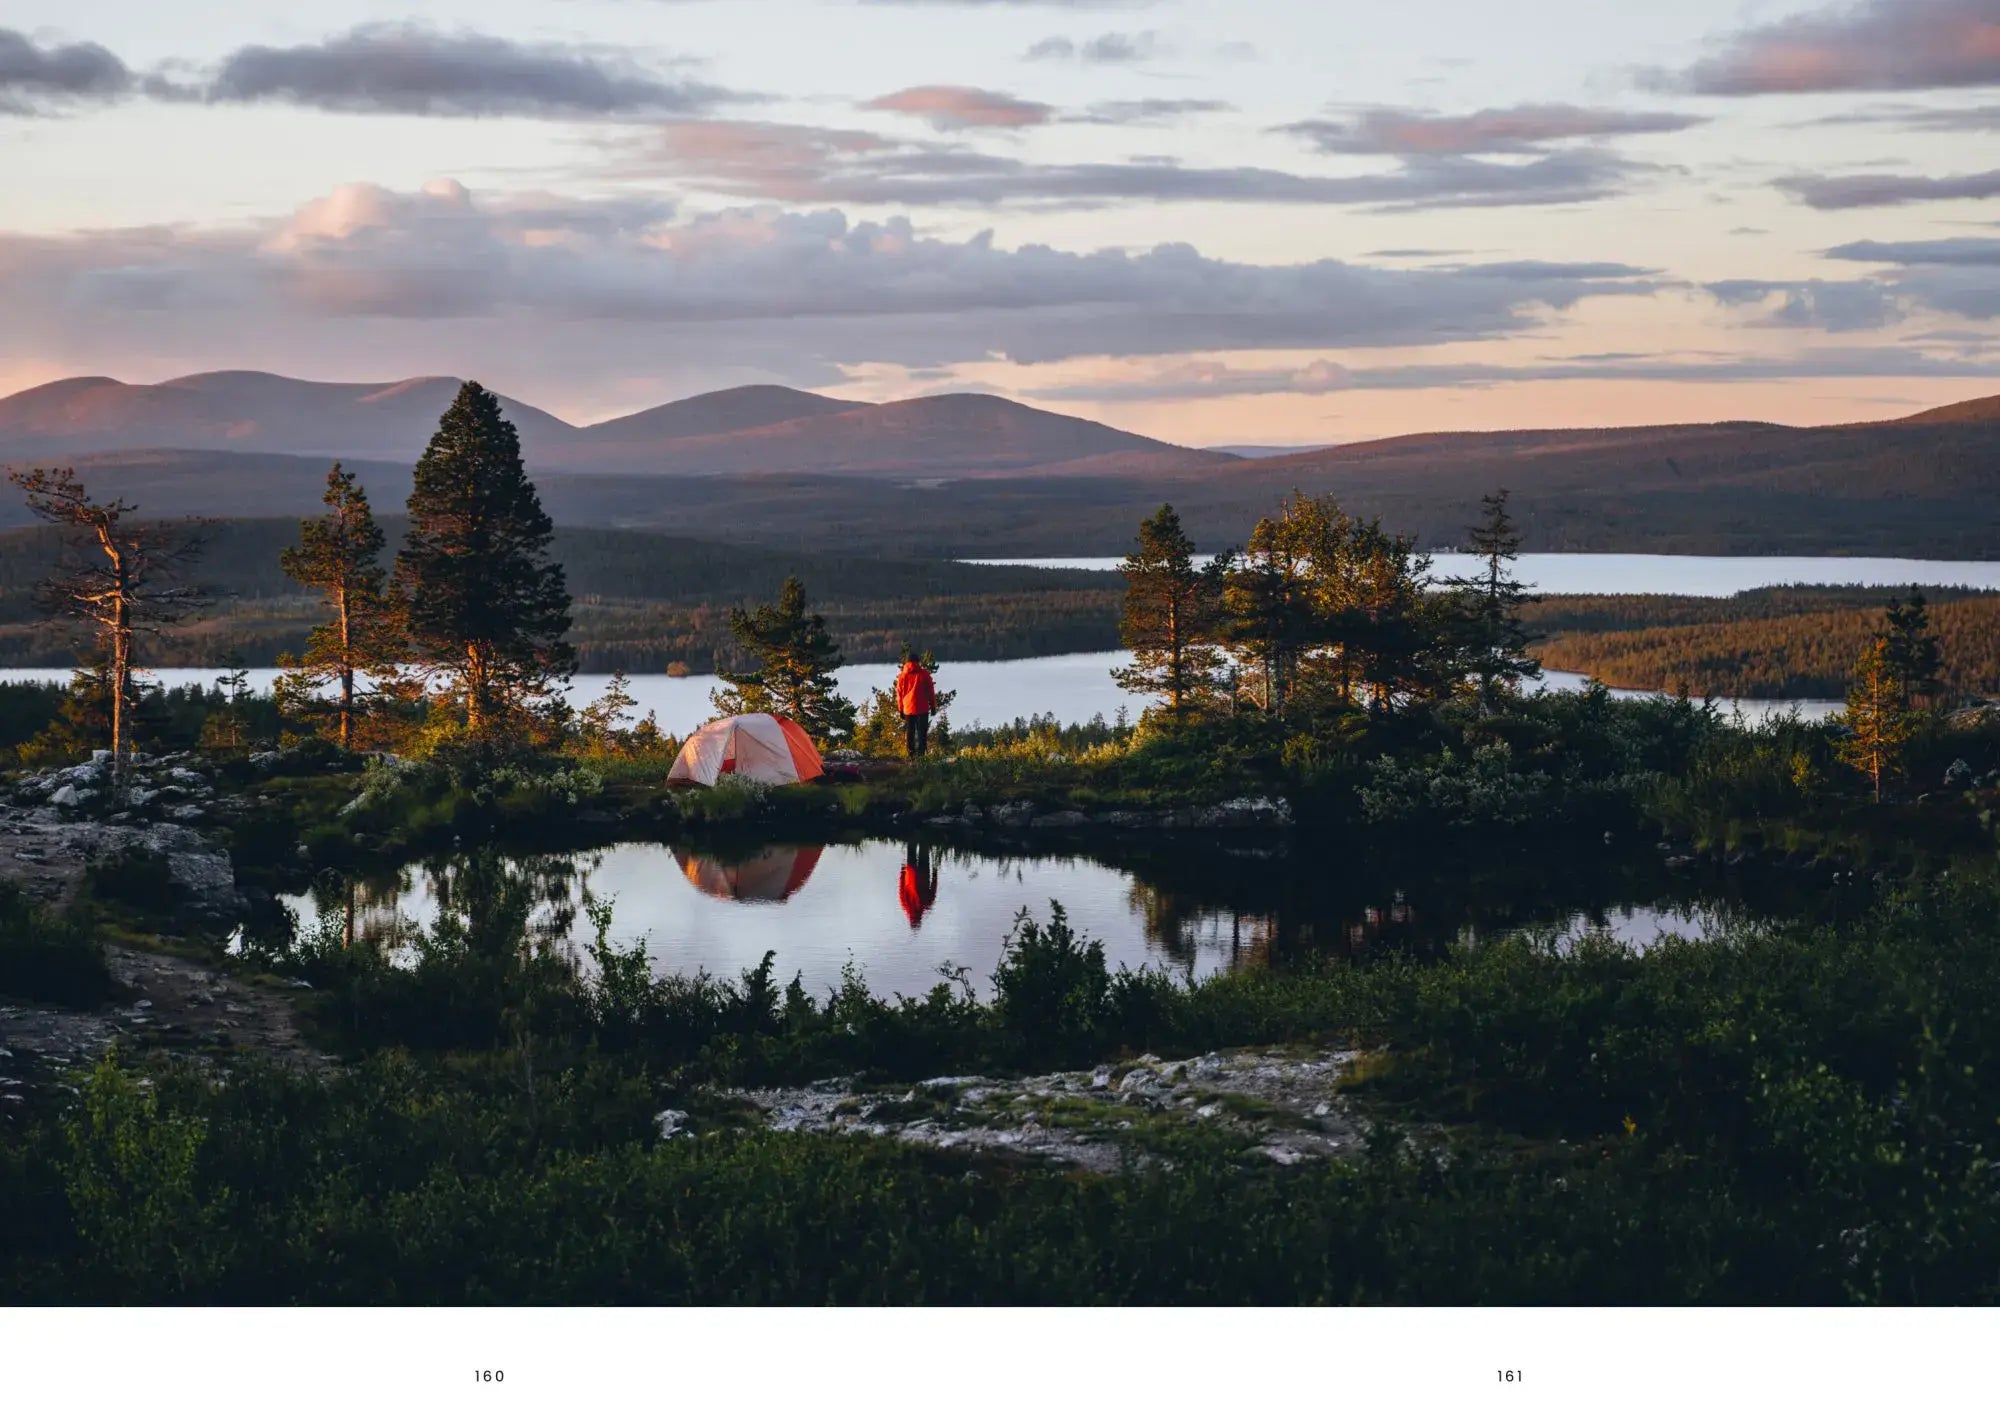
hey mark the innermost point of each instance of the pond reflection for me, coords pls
(898, 910)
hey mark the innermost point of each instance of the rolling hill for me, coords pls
(980, 476)
(742, 430)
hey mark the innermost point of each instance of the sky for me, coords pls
(1266, 221)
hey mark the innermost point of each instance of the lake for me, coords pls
(1684, 575)
(1071, 688)
(1076, 687)
(898, 910)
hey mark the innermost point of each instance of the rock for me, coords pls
(1958, 774)
(671, 1123)
(1019, 814)
(1067, 818)
(1100, 1079)
(64, 797)
(973, 813)
(186, 813)
(1246, 812)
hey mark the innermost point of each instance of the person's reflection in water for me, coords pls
(917, 887)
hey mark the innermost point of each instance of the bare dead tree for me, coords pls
(119, 578)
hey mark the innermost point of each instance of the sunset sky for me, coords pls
(1280, 221)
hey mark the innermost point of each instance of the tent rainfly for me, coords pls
(772, 875)
(768, 748)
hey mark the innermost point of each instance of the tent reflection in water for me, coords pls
(774, 874)
(767, 748)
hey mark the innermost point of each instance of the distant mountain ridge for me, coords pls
(741, 430)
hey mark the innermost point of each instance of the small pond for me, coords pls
(898, 910)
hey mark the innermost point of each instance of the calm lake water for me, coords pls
(898, 910)
(1072, 688)
(1682, 574)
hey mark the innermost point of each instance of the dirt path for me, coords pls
(168, 1002)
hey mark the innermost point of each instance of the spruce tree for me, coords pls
(1269, 612)
(1172, 611)
(1878, 724)
(1488, 603)
(340, 553)
(1911, 651)
(488, 609)
(796, 657)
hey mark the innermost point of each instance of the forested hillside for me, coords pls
(1928, 487)
(1771, 644)
(644, 602)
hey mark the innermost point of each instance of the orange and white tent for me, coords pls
(772, 875)
(768, 748)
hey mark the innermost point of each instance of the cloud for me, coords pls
(1023, 4)
(410, 69)
(1141, 112)
(1879, 46)
(1954, 276)
(1206, 379)
(584, 290)
(1388, 131)
(1110, 48)
(1971, 250)
(1836, 306)
(38, 79)
(1833, 193)
(836, 166)
(950, 108)
(1914, 118)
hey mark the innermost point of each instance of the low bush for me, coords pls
(50, 955)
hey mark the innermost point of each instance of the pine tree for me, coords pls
(796, 657)
(1172, 612)
(488, 609)
(1878, 724)
(120, 579)
(602, 722)
(340, 554)
(1912, 653)
(1488, 607)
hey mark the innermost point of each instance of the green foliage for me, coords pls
(1772, 643)
(796, 657)
(1878, 721)
(339, 555)
(1172, 617)
(488, 608)
(1788, 1115)
(1051, 986)
(49, 955)
(1492, 638)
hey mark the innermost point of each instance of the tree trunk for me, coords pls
(346, 673)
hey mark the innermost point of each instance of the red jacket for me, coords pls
(916, 692)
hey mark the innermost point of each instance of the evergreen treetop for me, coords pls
(488, 607)
(796, 659)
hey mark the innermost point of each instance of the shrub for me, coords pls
(48, 955)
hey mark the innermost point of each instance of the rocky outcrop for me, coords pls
(1232, 815)
(57, 825)
(1274, 1104)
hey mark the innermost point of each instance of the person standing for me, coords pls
(916, 697)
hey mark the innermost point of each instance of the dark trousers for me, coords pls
(917, 734)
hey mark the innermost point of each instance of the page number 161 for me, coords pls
(1508, 1378)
